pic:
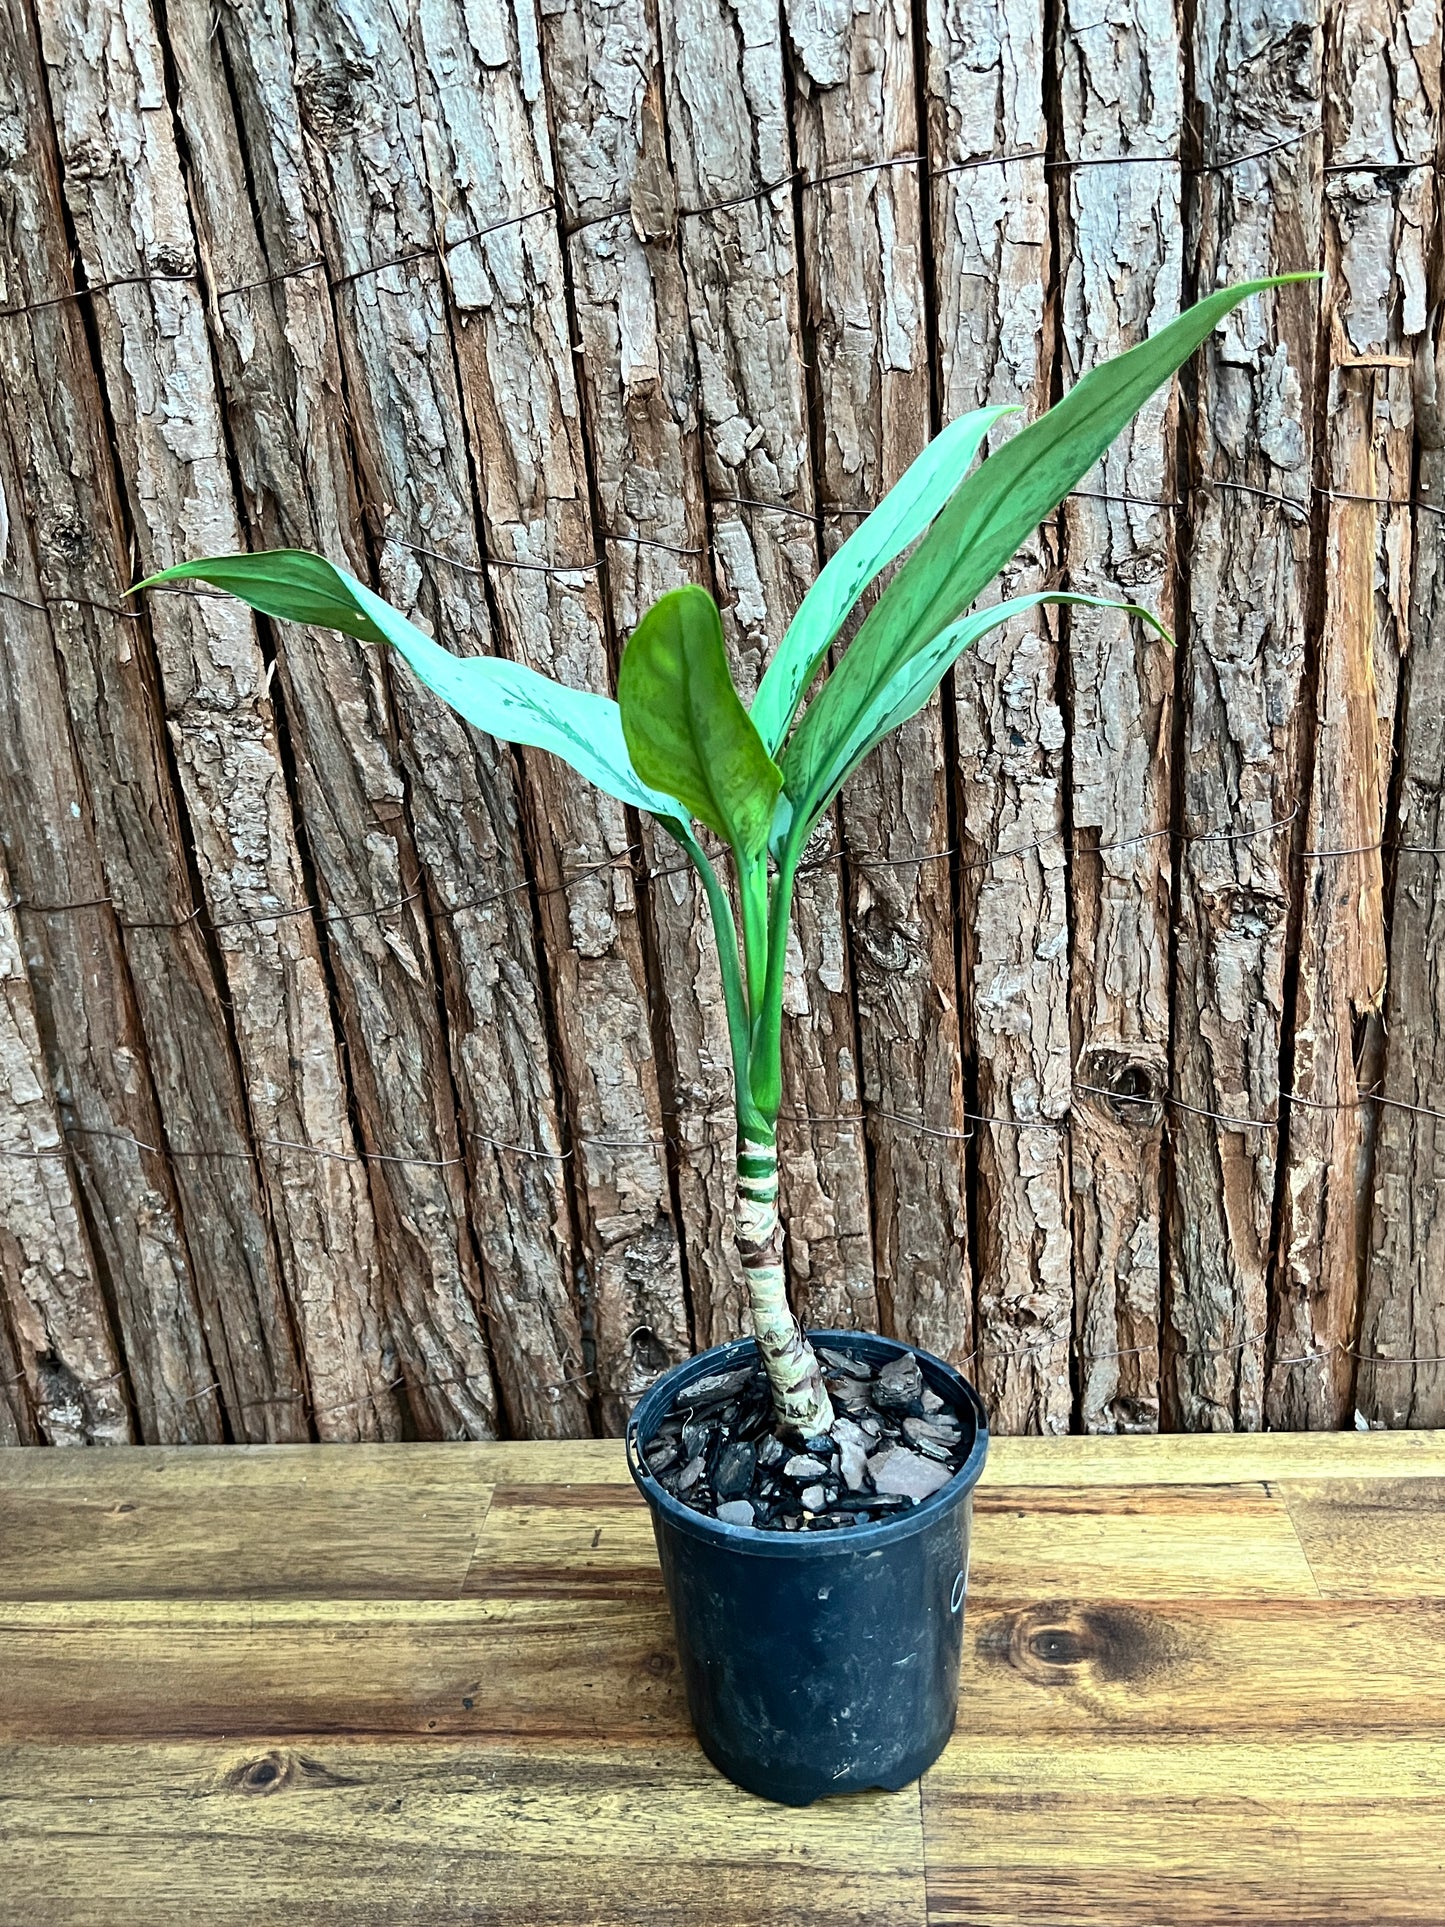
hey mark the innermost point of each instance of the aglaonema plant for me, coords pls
(680, 744)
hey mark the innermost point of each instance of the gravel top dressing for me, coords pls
(893, 1443)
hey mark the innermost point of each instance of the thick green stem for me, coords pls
(739, 1031)
(753, 895)
(766, 1056)
(800, 1397)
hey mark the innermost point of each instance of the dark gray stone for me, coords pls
(899, 1385)
(691, 1473)
(735, 1467)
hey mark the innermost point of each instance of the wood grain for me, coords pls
(1179, 1542)
(1371, 1538)
(244, 1683)
(346, 1832)
(1304, 1830)
(240, 1525)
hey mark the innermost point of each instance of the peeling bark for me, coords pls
(310, 113)
(490, 160)
(856, 105)
(1257, 78)
(350, 111)
(125, 197)
(89, 1031)
(280, 369)
(1121, 88)
(726, 101)
(17, 1422)
(991, 245)
(67, 1352)
(1403, 1312)
(1382, 98)
(624, 287)
(58, 431)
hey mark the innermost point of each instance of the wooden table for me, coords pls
(1204, 1682)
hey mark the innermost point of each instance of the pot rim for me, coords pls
(757, 1541)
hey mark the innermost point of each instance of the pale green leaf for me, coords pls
(910, 687)
(503, 698)
(899, 519)
(982, 525)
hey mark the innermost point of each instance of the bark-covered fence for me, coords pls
(358, 1077)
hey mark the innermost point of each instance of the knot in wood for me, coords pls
(1135, 1087)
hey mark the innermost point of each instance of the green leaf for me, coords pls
(686, 730)
(983, 524)
(899, 519)
(293, 584)
(910, 687)
(504, 698)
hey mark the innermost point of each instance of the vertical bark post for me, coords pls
(66, 1350)
(1382, 82)
(305, 108)
(728, 138)
(1121, 229)
(281, 380)
(132, 228)
(1401, 1376)
(992, 247)
(857, 141)
(1255, 209)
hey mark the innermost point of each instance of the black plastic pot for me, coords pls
(818, 1662)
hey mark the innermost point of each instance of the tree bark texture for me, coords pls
(1382, 101)
(866, 312)
(992, 252)
(126, 200)
(1121, 87)
(726, 104)
(360, 1076)
(1243, 679)
(1402, 1319)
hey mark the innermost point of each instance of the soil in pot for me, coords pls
(893, 1444)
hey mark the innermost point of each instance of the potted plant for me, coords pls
(811, 1498)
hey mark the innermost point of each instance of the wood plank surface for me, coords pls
(1326, 1832)
(1371, 1538)
(1201, 1684)
(359, 1833)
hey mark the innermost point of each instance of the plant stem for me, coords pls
(726, 937)
(800, 1398)
(753, 893)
